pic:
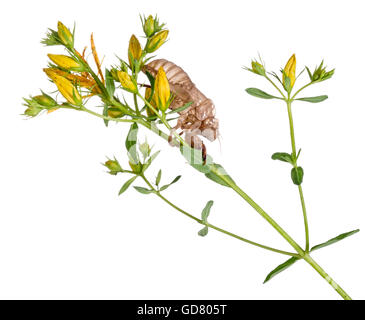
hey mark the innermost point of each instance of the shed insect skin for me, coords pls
(198, 119)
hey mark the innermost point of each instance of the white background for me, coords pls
(64, 232)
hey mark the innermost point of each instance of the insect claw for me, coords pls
(204, 154)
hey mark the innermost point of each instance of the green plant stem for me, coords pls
(304, 210)
(135, 96)
(266, 216)
(300, 251)
(302, 88)
(325, 276)
(253, 204)
(294, 155)
(276, 87)
(215, 227)
(240, 192)
(104, 117)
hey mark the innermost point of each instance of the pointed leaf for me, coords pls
(297, 175)
(313, 99)
(309, 74)
(143, 190)
(172, 182)
(217, 172)
(280, 268)
(195, 158)
(145, 149)
(105, 114)
(260, 94)
(109, 83)
(287, 83)
(206, 210)
(127, 185)
(151, 79)
(185, 106)
(132, 136)
(150, 160)
(282, 156)
(203, 232)
(335, 239)
(158, 178)
(131, 143)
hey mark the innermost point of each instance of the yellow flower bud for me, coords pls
(65, 62)
(65, 87)
(65, 35)
(32, 111)
(162, 90)
(157, 41)
(113, 166)
(134, 50)
(289, 70)
(45, 100)
(127, 82)
(149, 26)
(258, 68)
(115, 112)
(136, 167)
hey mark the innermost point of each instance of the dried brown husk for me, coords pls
(199, 118)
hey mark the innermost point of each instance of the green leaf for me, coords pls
(205, 213)
(287, 83)
(150, 160)
(280, 268)
(313, 99)
(158, 178)
(297, 175)
(172, 182)
(109, 83)
(260, 94)
(132, 136)
(151, 79)
(212, 171)
(282, 156)
(145, 149)
(195, 158)
(203, 232)
(185, 106)
(131, 143)
(127, 185)
(206, 210)
(143, 190)
(335, 239)
(105, 114)
(309, 74)
(216, 173)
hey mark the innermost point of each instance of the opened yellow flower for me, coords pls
(65, 62)
(127, 82)
(64, 34)
(134, 50)
(84, 80)
(80, 80)
(162, 90)
(157, 41)
(65, 87)
(289, 70)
